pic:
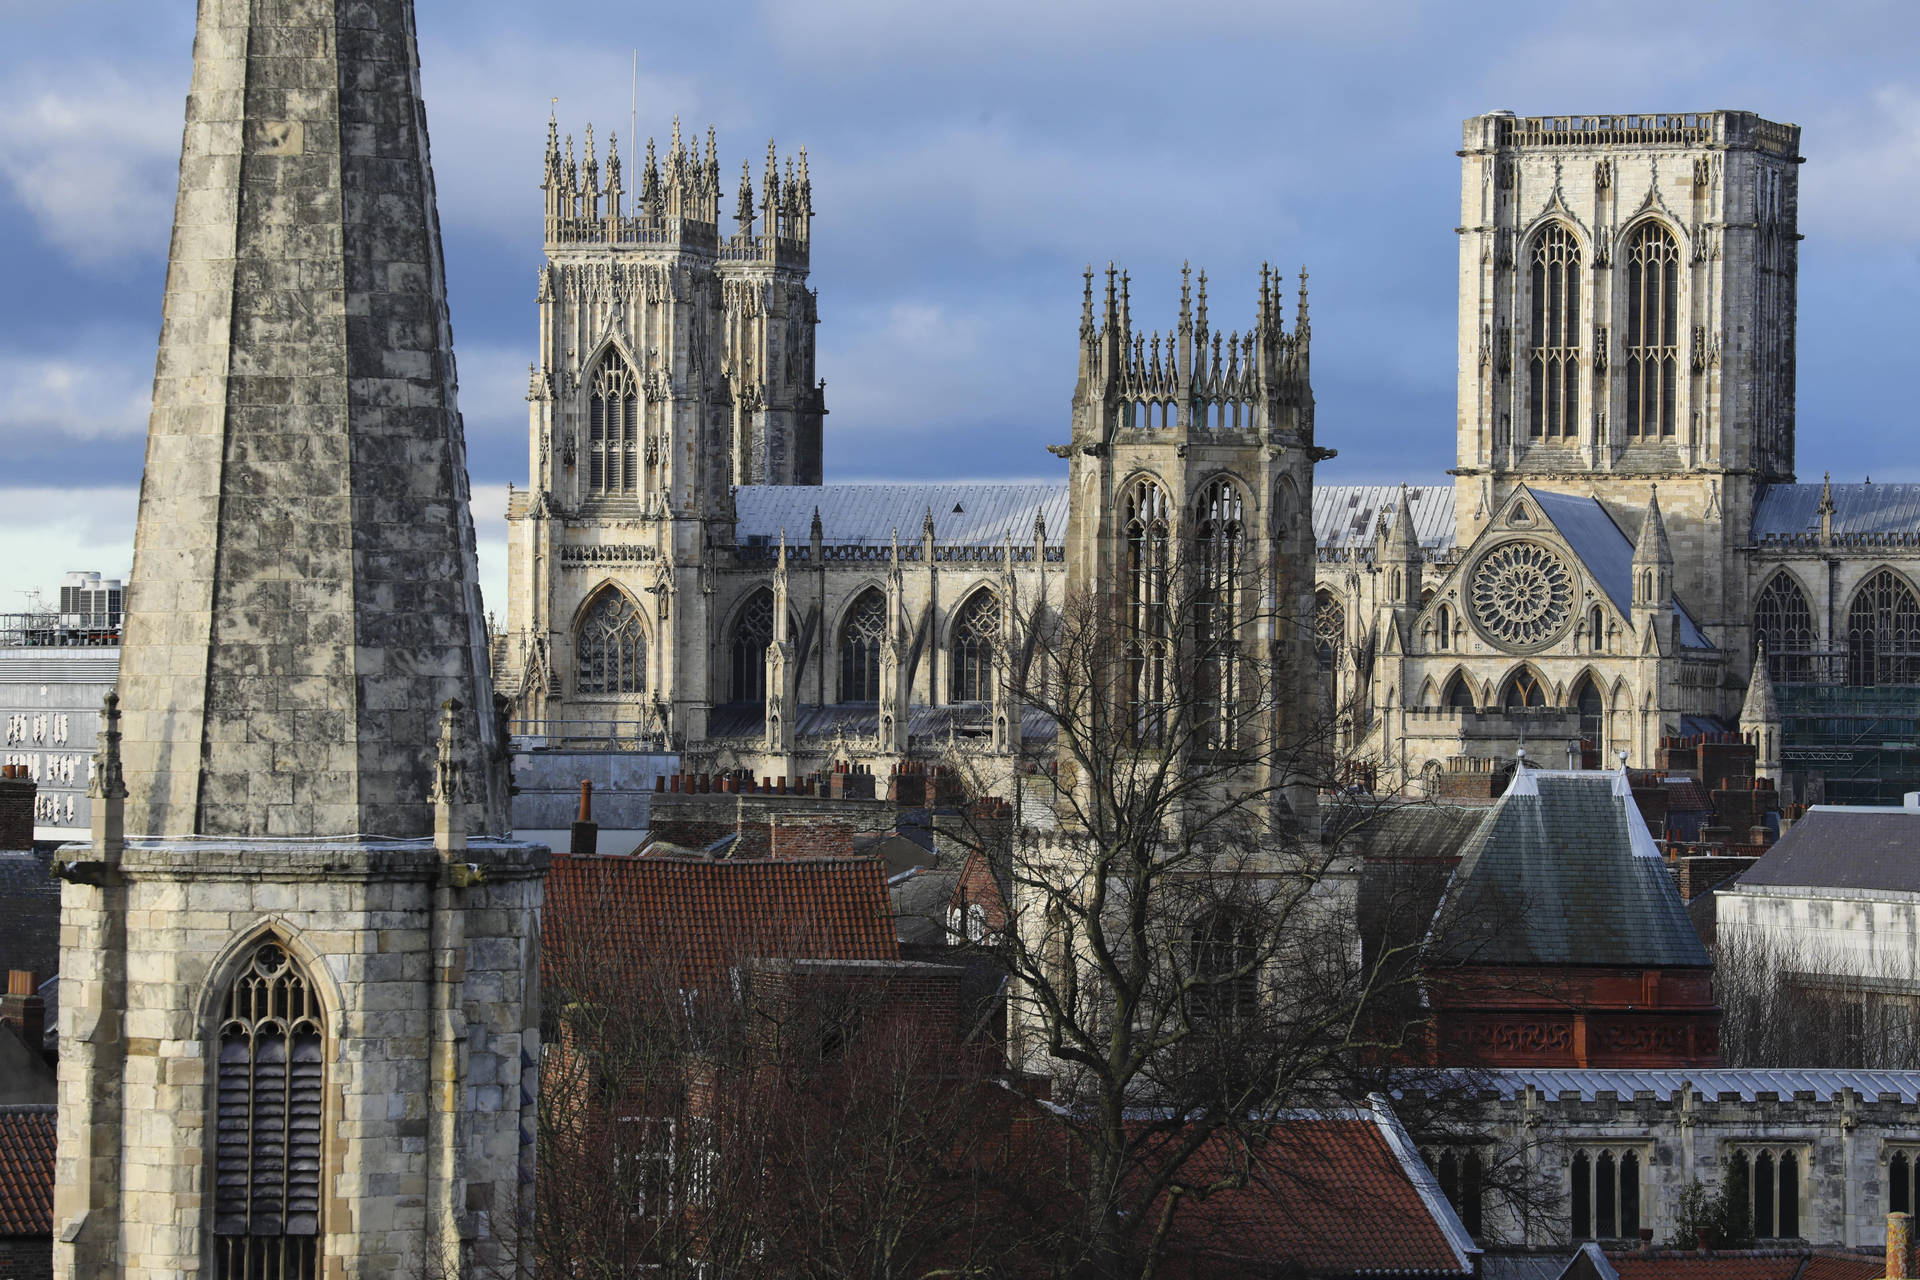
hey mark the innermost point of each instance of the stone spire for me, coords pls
(1760, 720)
(304, 596)
(1651, 549)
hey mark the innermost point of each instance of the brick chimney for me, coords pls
(17, 791)
(1899, 1246)
(24, 1010)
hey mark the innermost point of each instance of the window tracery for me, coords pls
(1883, 633)
(1783, 621)
(612, 647)
(752, 633)
(1219, 530)
(1329, 628)
(1554, 363)
(976, 632)
(1148, 533)
(860, 638)
(613, 429)
(1522, 594)
(1605, 1193)
(267, 1133)
(1653, 331)
(1523, 691)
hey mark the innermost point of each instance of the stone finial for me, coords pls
(108, 788)
(450, 793)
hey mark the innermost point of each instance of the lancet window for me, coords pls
(611, 648)
(267, 1136)
(1523, 691)
(752, 633)
(613, 429)
(1883, 633)
(1459, 695)
(1653, 331)
(860, 638)
(1220, 543)
(1553, 367)
(1329, 628)
(1148, 533)
(1783, 621)
(976, 632)
(1587, 700)
(1772, 1175)
(1605, 1193)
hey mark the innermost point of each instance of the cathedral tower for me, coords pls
(676, 360)
(298, 1007)
(1627, 318)
(1194, 450)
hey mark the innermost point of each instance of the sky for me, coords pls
(968, 161)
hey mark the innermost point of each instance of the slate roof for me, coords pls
(685, 921)
(26, 1170)
(1562, 871)
(1747, 1083)
(1841, 848)
(1789, 510)
(1346, 515)
(1336, 1194)
(871, 513)
(1606, 551)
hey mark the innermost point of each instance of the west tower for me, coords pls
(676, 361)
(1627, 315)
(299, 1004)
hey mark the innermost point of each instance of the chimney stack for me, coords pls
(24, 1010)
(586, 832)
(1899, 1246)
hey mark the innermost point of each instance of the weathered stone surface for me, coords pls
(304, 594)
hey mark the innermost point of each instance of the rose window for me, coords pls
(1522, 594)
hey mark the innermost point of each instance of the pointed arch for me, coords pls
(863, 629)
(1429, 693)
(1148, 626)
(974, 638)
(1524, 689)
(270, 1064)
(1459, 692)
(1219, 530)
(1883, 631)
(1554, 331)
(613, 424)
(1650, 267)
(1329, 627)
(1783, 621)
(1590, 702)
(610, 645)
(748, 638)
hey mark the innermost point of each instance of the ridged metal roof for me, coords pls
(1824, 1084)
(1346, 515)
(1789, 510)
(963, 514)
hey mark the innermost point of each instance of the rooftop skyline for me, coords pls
(966, 166)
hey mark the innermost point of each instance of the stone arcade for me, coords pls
(299, 1003)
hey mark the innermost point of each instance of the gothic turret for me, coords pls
(1760, 721)
(1653, 607)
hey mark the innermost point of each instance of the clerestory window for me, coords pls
(860, 640)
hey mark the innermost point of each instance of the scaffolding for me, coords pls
(1864, 740)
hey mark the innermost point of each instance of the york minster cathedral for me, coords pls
(1623, 533)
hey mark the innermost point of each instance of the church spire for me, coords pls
(1651, 548)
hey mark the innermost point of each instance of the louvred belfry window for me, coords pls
(1653, 332)
(613, 429)
(1553, 367)
(272, 1074)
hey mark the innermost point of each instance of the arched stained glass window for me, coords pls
(1329, 628)
(860, 639)
(1783, 621)
(267, 1134)
(752, 633)
(613, 429)
(1553, 362)
(976, 631)
(1593, 713)
(612, 646)
(1523, 691)
(1220, 543)
(1883, 632)
(1653, 331)
(1148, 532)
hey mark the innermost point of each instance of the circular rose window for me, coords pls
(1522, 595)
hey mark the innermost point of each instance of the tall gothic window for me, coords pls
(612, 646)
(1553, 367)
(1653, 331)
(272, 1070)
(1772, 1177)
(1883, 632)
(613, 429)
(860, 640)
(1593, 713)
(1329, 628)
(1783, 622)
(976, 631)
(1605, 1193)
(1523, 691)
(1220, 540)
(1147, 639)
(752, 633)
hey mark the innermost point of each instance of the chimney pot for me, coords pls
(1899, 1246)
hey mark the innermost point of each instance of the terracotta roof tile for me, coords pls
(688, 919)
(1326, 1196)
(26, 1170)
(1748, 1264)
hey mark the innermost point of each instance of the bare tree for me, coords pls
(1792, 1005)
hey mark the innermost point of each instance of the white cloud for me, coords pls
(81, 395)
(1868, 177)
(46, 532)
(93, 156)
(490, 536)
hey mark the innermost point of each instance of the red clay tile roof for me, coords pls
(1327, 1196)
(1748, 1264)
(686, 920)
(26, 1170)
